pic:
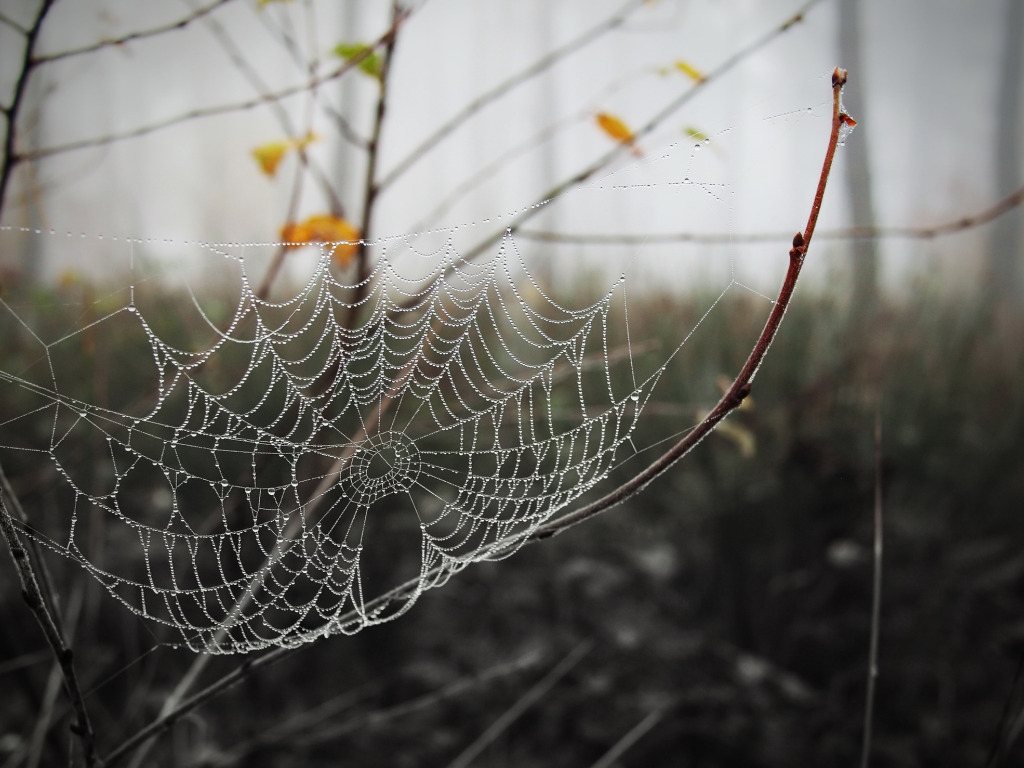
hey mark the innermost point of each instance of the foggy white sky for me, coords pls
(930, 79)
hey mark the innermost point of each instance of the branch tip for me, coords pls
(838, 77)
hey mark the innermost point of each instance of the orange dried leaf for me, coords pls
(294, 235)
(324, 228)
(690, 71)
(617, 129)
(614, 127)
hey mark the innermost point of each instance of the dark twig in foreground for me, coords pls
(34, 597)
(522, 704)
(631, 737)
(10, 112)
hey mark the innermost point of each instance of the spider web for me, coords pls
(257, 472)
(259, 468)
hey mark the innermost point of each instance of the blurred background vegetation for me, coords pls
(726, 608)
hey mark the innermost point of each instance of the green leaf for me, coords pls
(695, 133)
(372, 65)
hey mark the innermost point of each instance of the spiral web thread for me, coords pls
(251, 498)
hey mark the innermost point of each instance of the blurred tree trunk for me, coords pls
(1005, 252)
(858, 172)
(547, 109)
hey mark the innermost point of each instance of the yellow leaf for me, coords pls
(617, 129)
(324, 228)
(690, 71)
(270, 155)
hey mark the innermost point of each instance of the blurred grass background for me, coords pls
(724, 612)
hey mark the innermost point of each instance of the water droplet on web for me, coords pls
(634, 397)
(131, 308)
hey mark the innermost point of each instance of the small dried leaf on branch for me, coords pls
(690, 71)
(695, 133)
(270, 155)
(372, 65)
(740, 436)
(324, 228)
(616, 128)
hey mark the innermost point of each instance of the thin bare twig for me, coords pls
(34, 597)
(249, 72)
(372, 187)
(142, 130)
(528, 144)
(290, 44)
(6, 20)
(522, 704)
(196, 14)
(501, 89)
(1008, 203)
(631, 737)
(876, 600)
(9, 161)
(379, 717)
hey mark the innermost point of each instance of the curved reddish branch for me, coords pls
(743, 382)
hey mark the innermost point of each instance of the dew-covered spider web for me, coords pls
(258, 468)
